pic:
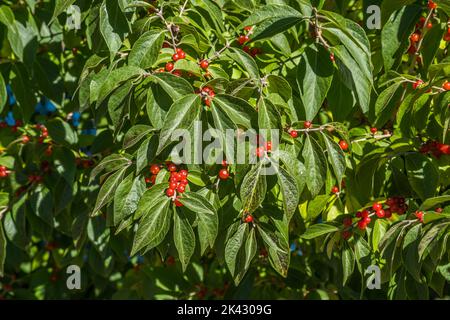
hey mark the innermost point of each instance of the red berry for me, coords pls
(182, 55)
(153, 179)
(49, 151)
(419, 215)
(444, 149)
(243, 39)
(332, 57)
(429, 25)
(184, 181)
(387, 213)
(169, 66)
(346, 234)
(180, 188)
(373, 130)
(307, 125)
(438, 210)
(446, 86)
(248, 219)
(154, 169)
(207, 101)
(367, 220)
(380, 213)
(177, 73)
(175, 57)
(347, 222)
(268, 146)
(293, 133)
(224, 163)
(178, 203)
(260, 152)
(343, 144)
(179, 50)
(334, 189)
(362, 225)
(148, 180)
(173, 185)
(25, 139)
(204, 64)
(358, 214)
(170, 192)
(172, 167)
(365, 214)
(3, 174)
(224, 174)
(183, 173)
(414, 37)
(377, 206)
(432, 4)
(248, 28)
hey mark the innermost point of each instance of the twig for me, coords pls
(218, 53)
(159, 13)
(376, 137)
(183, 7)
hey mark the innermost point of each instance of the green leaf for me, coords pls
(176, 87)
(126, 197)
(238, 254)
(354, 78)
(41, 201)
(110, 163)
(184, 238)
(314, 76)
(60, 7)
(149, 200)
(153, 227)
(21, 85)
(278, 250)
(13, 34)
(146, 153)
(2, 250)
(271, 19)
(117, 103)
(317, 230)
(289, 189)
(395, 33)
(378, 232)
(115, 79)
(315, 164)
(61, 132)
(253, 188)
(268, 117)
(423, 175)
(238, 110)
(207, 218)
(336, 157)
(348, 263)
(181, 115)
(135, 134)
(433, 202)
(386, 103)
(146, 49)
(113, 26)
(3, 93)
(410, 251)
(65, 164)
(108, 189)
(245, 61)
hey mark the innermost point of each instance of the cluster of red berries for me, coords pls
(44, 132)
(178, 55)
(4, 172)
(435, 148)
(207, 94)
(14, 128)
(177, 183)
(154, 170)
(394, 205)
(224, 174)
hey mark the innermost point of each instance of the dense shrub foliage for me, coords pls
(356, 119)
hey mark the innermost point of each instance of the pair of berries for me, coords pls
(260, 151)
(4, 173)
(432, 5)
(178, 55)
(207, 94)
(252, 51)
(436, 148)
(224, 174)
(421, 23)
(364, 219)
(44, 132)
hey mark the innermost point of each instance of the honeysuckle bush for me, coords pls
(360, 154)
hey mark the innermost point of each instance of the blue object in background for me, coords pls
(11, 98)
(293, 247)
(89, 132)
(45, 106)
(76, 118)
(140, 259)
(10, 121)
